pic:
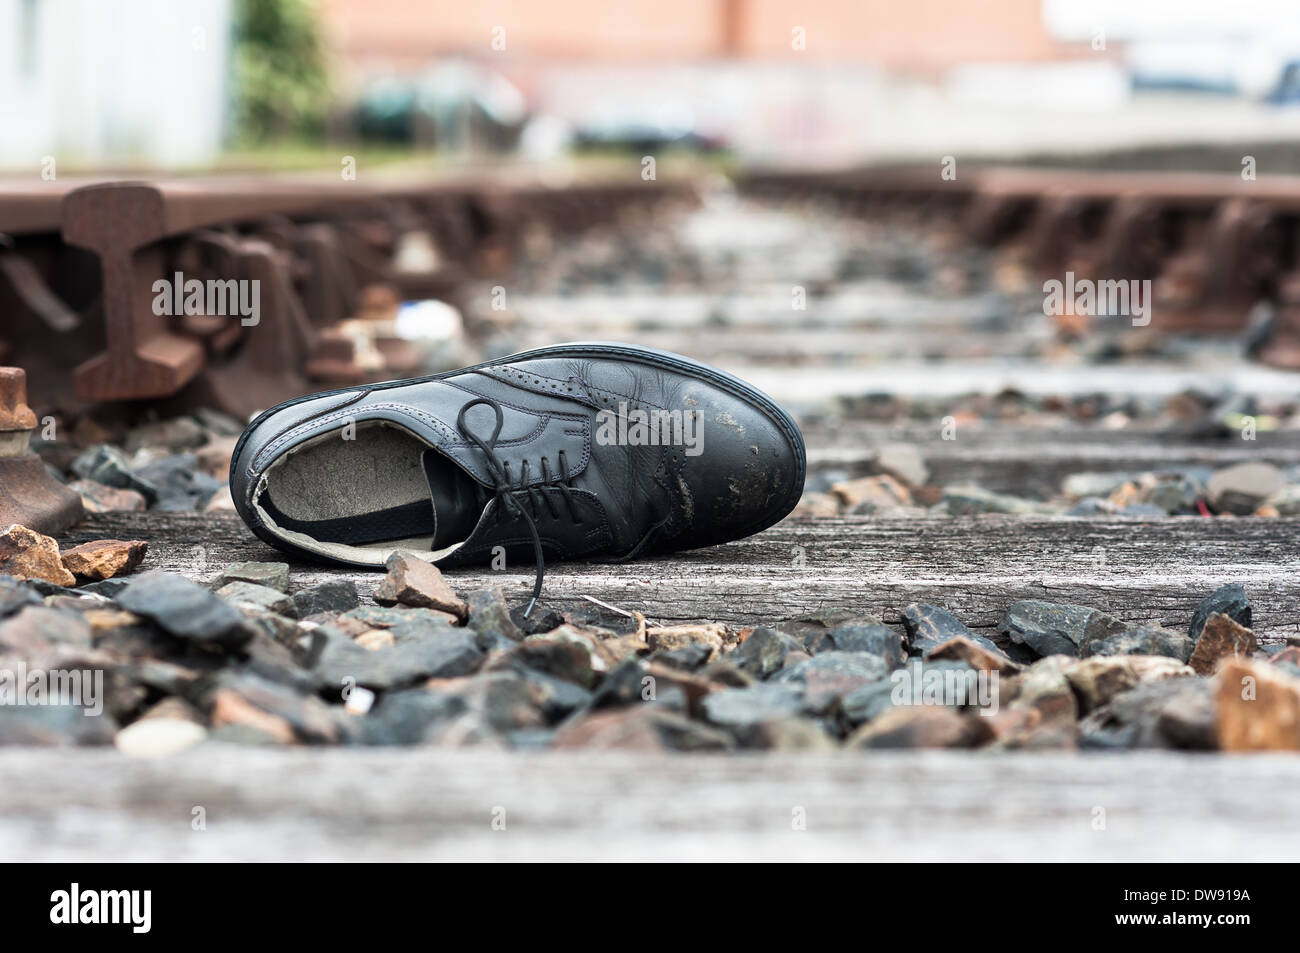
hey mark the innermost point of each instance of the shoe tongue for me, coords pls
(455, 497)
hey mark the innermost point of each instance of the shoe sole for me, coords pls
(654, 357)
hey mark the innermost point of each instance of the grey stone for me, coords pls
(181, 484)
(1140, 640)
(746, 707)
(1051, 628)
(1230, 599)
(874, 699)
(929, 626)
(764, 652)
(241, 594)
(489, 615)
(1169, 713)
(972, 500)
(1240, 489)
(861, 635)
(310, 718)
(14, 595)
(1178, 496)
(54, 725)
(1092, 484)
(184, 609)
(271, 575)
(337, 595)
(106, 464)
(336, 660)
(688, 658)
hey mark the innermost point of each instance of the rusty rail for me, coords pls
(79, 262)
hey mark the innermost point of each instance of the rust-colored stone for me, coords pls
(1222, 636)
(27, 554)
(105, 558)
(963, 649)
(1257, 707)
(413, 581)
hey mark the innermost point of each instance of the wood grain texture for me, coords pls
(430, 804)
(1140, 571)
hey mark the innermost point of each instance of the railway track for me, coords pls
(80, 262)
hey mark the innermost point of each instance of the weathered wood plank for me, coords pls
(974, 566)
(429, 804)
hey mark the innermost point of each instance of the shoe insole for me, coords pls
(449, 515)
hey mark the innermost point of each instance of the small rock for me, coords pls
(490, 617)
(816, 506)
(1050, 628)
(828, 677)
(1165, 713)
(26, 554)
(14, 595)
(764, 652)
(1286, 502)
(272, 575)
(1221, 636)
(878, 493)
(336, 595)
(1136, 640)
(1231, 600)
(244, 595)
(922, 726)
(1258, 707)
(1241, 488)
(688, 659)
(184, 609)
(270, 707)
(972, 500)
(931, 682)
(566, 660)
(743, 708)
(683, 636)
(338, 662)
(383, 617)
(1080, 485)
(53, 725)
(1091, 506)
(179, 433)
(1175, 497)
(214, 456)
(929, 626)
(860, 635)
(180, 484)
(1098, 680)
(1045, 686)
(961, 649)
(107, 465)
(158, 737)
(643, 728)
(413, 581)
(104, 558)
(904, 461)
(101, 498)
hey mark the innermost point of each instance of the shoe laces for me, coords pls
(520, 499)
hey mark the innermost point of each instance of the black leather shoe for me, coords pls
(595, 451)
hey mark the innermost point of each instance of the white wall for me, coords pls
(108, 82)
